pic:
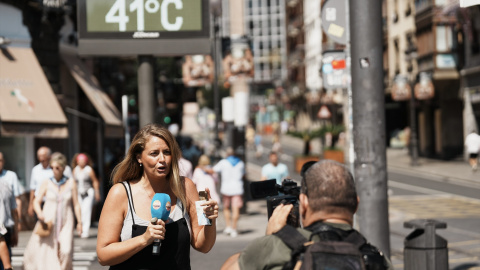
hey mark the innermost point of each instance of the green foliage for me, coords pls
(308, 135)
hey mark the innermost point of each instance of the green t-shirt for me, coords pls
(270, 252)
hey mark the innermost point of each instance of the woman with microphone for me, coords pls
(126, 233)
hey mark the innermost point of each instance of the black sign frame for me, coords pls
(168, 43)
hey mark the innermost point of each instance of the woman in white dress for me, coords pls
(88, 188)
(54, 250)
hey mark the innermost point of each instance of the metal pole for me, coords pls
(100, 159)
(369, 121)
(351, 155)
(413, 128)
(146, 95)
(216, 94)
(125, 122)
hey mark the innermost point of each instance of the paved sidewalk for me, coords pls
(457, 170)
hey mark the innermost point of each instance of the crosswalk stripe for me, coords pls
(81, 259)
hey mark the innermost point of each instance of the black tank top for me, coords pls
(174, 251)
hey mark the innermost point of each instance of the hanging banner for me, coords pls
(401, 90)
(197, 70)
(424, 89)
(237, 60)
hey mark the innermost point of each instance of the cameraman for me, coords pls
(327, 196)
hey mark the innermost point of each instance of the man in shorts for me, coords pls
(232, 170)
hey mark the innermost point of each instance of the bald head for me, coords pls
(330, 188)
(43, 155)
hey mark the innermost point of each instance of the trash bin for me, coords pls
(424, 249)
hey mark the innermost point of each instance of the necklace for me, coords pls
(147, 192)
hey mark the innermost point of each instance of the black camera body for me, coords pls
(275, 194)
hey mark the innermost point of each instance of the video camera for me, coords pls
(286, 193)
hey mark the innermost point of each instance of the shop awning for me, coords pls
(28, 106)
(100, 100)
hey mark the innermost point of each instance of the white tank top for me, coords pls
(82, 176)
(175, 215)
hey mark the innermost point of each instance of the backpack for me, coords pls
(336, 250)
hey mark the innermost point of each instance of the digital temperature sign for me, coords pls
(134, 27)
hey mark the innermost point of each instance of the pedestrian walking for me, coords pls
(232, 170)
(126, 231)
(88, 188)
(258, 145)
(204, 177)
(472, 143)
(42, 172)
(9, 223)
(5, 259)
(274, 169)
(51, 244)
(185, 167)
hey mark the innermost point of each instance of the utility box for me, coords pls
(424, 249)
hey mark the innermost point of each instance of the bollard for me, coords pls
(424, 249)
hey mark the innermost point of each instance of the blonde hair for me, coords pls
(203, 160)
(129, 169)
(59, 158)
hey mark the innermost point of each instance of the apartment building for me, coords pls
(265, 25)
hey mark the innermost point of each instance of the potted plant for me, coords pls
(306, 136)
(330, 151)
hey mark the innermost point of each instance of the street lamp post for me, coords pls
(411, 55)
(216, 11)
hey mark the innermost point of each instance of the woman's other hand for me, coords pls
(210, 207)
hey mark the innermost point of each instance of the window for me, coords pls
(408, 9)
(444, 40)
(395, 11)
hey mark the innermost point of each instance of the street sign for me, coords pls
(334, 20)
(147, 27)
(324, 112)
(401, 90)
(424, 89)
(334, 70)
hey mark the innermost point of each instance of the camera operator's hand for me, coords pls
(279, 218)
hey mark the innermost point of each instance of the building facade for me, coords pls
(439, 118)
(313, 44)
(265, 25)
